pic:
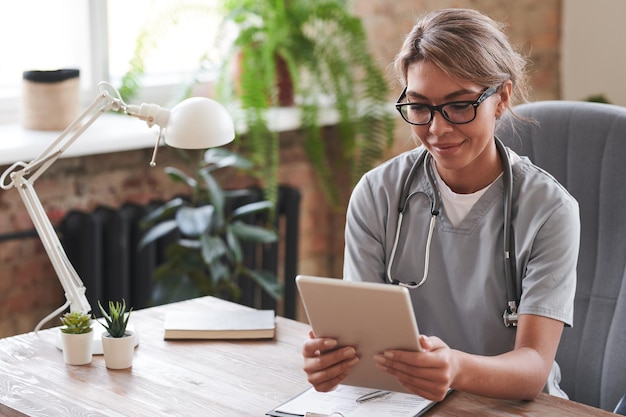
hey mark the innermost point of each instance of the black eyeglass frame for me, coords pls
(488, 92)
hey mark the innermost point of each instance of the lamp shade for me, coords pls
(199, 123)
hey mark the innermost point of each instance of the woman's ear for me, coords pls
(505, 98)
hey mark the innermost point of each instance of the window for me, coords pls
(38, 34)
(100, 37)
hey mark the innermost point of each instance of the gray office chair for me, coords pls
(583, 145)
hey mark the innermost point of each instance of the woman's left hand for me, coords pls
(429, 373)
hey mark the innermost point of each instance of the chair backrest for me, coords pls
(583, 145)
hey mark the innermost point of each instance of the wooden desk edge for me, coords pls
(461, 403)
(6, 411)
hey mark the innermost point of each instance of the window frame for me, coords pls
(158, 90)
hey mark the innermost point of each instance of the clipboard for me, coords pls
(343, 400)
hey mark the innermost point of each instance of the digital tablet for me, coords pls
(369, 316)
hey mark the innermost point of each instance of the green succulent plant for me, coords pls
(116, 318)
(76, 322)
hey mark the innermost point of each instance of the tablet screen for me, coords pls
(369, 316)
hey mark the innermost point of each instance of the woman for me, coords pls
(461, 74)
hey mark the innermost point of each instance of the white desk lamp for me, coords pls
(195, 123)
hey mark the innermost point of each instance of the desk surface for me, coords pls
(192, 378)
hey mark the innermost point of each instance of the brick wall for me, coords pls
(28, 287)
(533, 25)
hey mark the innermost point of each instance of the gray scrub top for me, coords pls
(464, 297)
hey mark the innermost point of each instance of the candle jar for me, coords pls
(50, 99)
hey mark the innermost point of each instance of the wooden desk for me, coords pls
(193, 378)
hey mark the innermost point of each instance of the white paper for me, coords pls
(343, 400)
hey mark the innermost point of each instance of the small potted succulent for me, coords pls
(118, 343)
(77, 338)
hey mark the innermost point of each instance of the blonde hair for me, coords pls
(466, 45)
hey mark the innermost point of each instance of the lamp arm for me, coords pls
(22, 176)
(33, 170)
(67, 275)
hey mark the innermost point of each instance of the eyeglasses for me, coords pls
(457, 112)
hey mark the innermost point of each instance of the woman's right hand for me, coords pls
(326, 366)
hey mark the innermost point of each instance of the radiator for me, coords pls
(103, 247)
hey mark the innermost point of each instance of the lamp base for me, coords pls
(97, 340)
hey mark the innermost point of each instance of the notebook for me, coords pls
(216, 324)
(372, 317)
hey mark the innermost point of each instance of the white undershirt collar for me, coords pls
(458, 205)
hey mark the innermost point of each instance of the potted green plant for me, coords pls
(206, 257)
(322, 48)
(318, 49)
(77, 338)
(118, 343)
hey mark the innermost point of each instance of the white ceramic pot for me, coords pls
(77, 348)
(118, 351)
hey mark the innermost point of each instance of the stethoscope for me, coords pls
(425, 162)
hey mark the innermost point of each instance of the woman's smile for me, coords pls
(446, 149)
